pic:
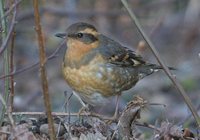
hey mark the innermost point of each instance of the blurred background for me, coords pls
(172, 25)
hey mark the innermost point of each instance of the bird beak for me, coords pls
(61, 35)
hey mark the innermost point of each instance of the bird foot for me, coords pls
(107, 120)
(114, 118)
(84, 110)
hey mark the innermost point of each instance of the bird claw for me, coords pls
(84, 110)
(114, 118)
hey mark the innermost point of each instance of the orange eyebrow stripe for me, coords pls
(90, 31)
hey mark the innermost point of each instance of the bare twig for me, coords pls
(188, 117)
(7, 110)
(5, 132)
(61, 114)
(42, 52)
(11, 60)
(148, 126)
(11, 69)
(11, 9)
(163, 105)
(165, 68)
(53, 55)
(6, 37)
(67, 127)
(42, 114)
(67, 104)
(12, 25)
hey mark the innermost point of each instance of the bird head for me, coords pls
(81, 39)
(80, 32)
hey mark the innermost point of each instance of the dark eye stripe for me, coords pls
(84, 37)
(80, 35)
(90, 36)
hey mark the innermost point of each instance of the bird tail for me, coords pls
(148, 69)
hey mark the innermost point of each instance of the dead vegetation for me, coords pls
(131, 124)
(87, 127)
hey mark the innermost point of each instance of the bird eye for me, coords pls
(79, 35)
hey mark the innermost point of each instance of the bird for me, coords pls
(97, 67)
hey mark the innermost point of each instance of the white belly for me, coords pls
(95, 99)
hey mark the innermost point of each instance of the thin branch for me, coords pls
(53, 55)
(148, 126)
(43, 114)
(61, 114)
(6, 37)
(188, 117)
(13, 22)
(11, 9)
(165, 68)
(66, 126)
(7, 110)
(42, 52)
(11, 69)
(5, 132)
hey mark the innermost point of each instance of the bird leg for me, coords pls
(84, 108)
(116, 114)
(79, 98)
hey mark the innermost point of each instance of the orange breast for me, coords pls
(99, 79)
(88, 79)
(77, 49)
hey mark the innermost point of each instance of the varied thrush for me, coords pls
(97, 67)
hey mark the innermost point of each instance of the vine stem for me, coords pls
(178, 86)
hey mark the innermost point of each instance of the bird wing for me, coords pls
(117, 54)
